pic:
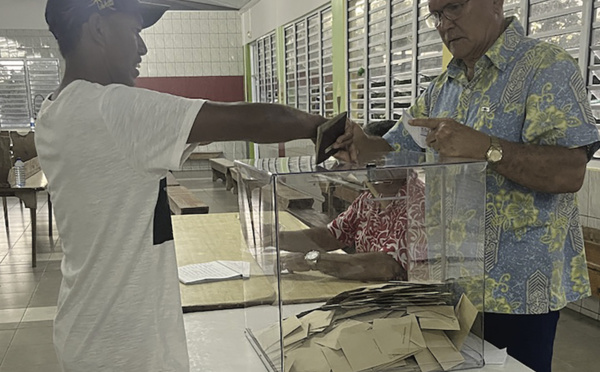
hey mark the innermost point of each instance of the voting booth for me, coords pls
(421, 216)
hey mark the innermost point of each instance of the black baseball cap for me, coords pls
(63, 15)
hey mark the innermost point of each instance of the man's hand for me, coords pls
(451, 138)
(361, 148)
(294, 262)
(345, 140)
(347, 149)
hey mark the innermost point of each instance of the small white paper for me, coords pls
(419, 134)
(213, 271)
(242, 267)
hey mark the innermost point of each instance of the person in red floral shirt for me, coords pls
(385, 225)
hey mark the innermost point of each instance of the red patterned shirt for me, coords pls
(397, 229)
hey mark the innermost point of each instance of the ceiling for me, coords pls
(202, 4)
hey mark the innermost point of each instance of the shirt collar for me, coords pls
(500, 53)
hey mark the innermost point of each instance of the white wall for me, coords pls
(266, 15)
(23, 14)
(189, 43)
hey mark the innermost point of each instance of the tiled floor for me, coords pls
(28, 296)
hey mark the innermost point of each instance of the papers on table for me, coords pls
(214, 271)
(373, 329)
(419, 134)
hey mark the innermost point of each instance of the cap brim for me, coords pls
(151, 13)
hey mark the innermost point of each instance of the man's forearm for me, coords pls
(551, 169)
(284, 122)
(257, 122)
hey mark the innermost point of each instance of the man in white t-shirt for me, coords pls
(105, 148)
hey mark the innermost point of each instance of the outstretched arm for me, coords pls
(257, 122)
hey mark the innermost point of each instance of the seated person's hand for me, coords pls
(294, 262)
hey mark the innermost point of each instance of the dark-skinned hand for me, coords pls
(348, 150)
(294, 262)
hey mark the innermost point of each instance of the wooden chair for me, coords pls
(23, 145)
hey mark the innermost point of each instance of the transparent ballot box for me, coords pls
(374, 268)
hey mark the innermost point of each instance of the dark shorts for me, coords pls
(529, 338)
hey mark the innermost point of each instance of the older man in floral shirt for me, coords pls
(520, 104)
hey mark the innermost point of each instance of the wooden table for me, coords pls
(28, 194)
(209, 237)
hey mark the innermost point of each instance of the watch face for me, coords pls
(312, 255)
(495, 156)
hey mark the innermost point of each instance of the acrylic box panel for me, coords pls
(397, 284)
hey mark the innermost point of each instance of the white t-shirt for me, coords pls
(106, 151)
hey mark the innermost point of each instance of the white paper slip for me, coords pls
(418, 134)
(242, 267)
(213, 271)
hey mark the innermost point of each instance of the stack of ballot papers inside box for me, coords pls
(214, 271)
(403, 327)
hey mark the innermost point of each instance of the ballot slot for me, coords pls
(330, 314)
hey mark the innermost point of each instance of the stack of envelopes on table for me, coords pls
(369, 329)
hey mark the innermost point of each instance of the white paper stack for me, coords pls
(214, 271)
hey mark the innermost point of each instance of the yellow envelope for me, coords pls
(330, 339)
(442, 349)
(440, 317)
(337, 360)
(466, 313)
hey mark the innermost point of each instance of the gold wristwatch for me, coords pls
(311, 258)
(494, 153)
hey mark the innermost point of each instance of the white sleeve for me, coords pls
(149, 128)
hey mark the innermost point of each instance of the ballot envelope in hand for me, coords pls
(327, 134)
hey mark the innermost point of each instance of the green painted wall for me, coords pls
(248, 72)
(248, 88)
(340, 60)
(280, 39)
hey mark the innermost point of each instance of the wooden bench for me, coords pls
(206, 155)
(289, 198)
(221, 170)
(234, 179)
(182, 201)
(171, 180)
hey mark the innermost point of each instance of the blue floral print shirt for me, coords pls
(524, 91)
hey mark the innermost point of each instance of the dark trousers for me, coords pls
(529, 338)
